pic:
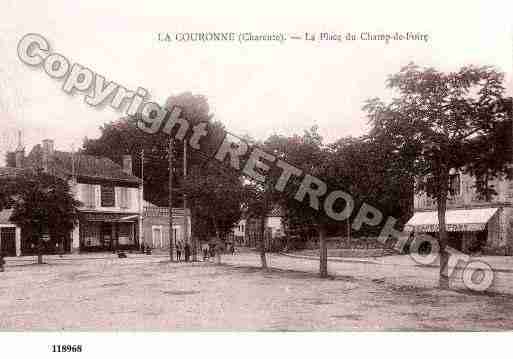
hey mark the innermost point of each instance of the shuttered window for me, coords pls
(108, 196)
(125, 197)
(88, 195)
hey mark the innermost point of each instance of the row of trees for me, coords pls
(437, 122)
(217, 194)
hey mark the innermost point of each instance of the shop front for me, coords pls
(108, 232)
(468, 230)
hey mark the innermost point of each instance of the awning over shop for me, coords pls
(457, 220)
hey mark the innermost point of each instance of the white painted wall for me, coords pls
(239, 229)
(276, 225)
(133, 205)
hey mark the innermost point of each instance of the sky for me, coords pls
(253, 88)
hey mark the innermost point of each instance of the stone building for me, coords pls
(111, 198)
(156, 226)
(474, 225)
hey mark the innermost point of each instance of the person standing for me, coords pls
(212, 250)
(178, 251)
(204, 249)
(187, 251)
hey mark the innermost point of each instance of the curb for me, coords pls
(369, 261)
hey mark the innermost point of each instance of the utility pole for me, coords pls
(141, 201)
(187, 236)
(348, 225)
(171, 232)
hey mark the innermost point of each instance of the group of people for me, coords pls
(186, 249)
(209, 250)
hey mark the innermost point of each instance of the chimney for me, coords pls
(48, 151)
(19, 153)
(127, 164)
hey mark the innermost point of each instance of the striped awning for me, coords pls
(456, 220)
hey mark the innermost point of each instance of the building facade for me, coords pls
(156, 226)
(110, 216)
(474, 225)
(248, 231)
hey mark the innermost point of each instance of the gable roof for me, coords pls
(86, 166)
(92, 167)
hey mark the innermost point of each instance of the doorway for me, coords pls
(157, 237)
(106, 235)
(8, 241)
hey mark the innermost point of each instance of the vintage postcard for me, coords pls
(201, 177)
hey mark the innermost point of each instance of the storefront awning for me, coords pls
(457, 220)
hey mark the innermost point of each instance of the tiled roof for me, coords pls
(85, 165)
(91, 166)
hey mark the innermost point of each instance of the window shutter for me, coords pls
(128, 199)
(92, 194)
(84, 195)
(123, 197)
(108, 196)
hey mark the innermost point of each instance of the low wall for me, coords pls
(350, 253)
(351, 243)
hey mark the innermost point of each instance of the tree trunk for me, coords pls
(170, 199)
(323, 253)
(218, 240)
(263, 257)
(40, 247)
(194, 240)
(442, 234)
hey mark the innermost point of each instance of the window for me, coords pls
(125, 197)
(88, 195)
(108, 196)
(90, 234)
(510, 189)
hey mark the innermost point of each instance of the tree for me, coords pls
(308, 153)
(216, 194)
(258, 202)
(372, 173)
(443, 122)
(43, 202)
(124, 137)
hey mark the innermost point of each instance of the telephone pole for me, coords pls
(187, 236)
(141, 201)
(171, 232)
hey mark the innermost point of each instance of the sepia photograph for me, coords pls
(201, 178)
